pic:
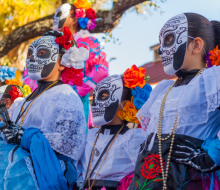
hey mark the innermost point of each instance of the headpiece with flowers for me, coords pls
(213, 57)
(73, 58)
(85, 14)
(135, 79)
(12, 77)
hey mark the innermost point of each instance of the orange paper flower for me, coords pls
(215, 56)
(84, 4)
(134, 77)
(13, 82)
(18, 74)
(129, 112)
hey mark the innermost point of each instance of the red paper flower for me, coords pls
(15, 93)
(134, 77)
(80, 13)
(66, 39)
(151, 167)
(90, 14)
(73, 75)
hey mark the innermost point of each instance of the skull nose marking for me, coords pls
(159, 51)
(93, 103)
(32, 59)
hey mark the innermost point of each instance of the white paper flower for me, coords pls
(75, 57)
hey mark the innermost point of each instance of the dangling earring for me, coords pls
(122, 107)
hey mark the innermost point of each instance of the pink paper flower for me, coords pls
(91, 24)
(103, 188)
(80, 13)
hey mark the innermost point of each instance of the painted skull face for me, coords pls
(106, 99)
(173, 43)
(42, 57)
(60, 16)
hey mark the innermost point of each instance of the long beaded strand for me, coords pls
(173, 132)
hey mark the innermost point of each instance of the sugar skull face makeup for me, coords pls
(106, 99)
(42, 57)
(173, 43)
(60, 16)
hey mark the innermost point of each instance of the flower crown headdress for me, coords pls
(85, 14)
(135, 79)
(73, 58)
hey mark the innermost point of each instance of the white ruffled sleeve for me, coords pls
(143, 114)
(64, 123)
(132, 146)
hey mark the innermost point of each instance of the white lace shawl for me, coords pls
(59, 114)
(195, 103)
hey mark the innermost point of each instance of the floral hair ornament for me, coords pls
(135, 79)
(213, 57)
(15, 93)
(73, 58)
(85, 14)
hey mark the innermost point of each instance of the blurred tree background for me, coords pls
(21, 21)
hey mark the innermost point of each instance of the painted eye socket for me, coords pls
(103, 95)
(169, 40)
(43, 53)
(30, 53)
(59, 14)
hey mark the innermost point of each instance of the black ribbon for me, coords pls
(103, 152)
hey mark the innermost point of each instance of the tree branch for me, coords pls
(107, 22)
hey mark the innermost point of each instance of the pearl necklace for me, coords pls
(173, 132)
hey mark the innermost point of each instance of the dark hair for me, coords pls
(126, 94)
(56, 34)
(6, 93)
(73, 8)
(209, 32)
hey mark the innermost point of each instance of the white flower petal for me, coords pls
(78, 65)
(75, 57)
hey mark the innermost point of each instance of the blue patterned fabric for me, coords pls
(46, 164)
(17, 171)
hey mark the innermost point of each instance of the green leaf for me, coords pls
(147, 78)
(139, 184)
(22, 90)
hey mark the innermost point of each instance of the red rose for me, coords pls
(90, 14)
(66, 39)
(73, 75)
(15, 93)
(151, 167)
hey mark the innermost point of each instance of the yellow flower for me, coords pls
(13, 82)
(27, 90)
(129, 113)
(85, 4)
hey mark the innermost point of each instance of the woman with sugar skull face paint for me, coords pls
(51, 118)
(182, 118)
(78, 16)
(111, 149)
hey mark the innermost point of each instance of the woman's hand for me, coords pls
(13, 133)
(190, 155)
